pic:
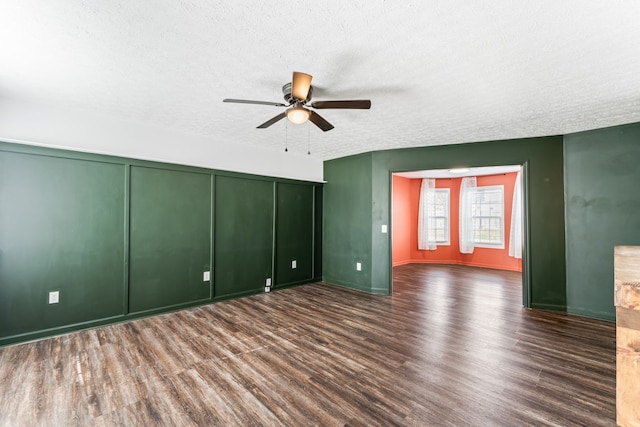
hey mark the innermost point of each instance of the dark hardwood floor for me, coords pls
(451, 347)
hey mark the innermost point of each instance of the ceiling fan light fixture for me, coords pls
(297, 94)
(298, 115)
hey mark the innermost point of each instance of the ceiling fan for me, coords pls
(297, 94)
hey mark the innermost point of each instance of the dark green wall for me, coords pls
(294, 237)
(61, 229)
(602, 177)
(318, 231)
(244, 235)
(347, 221)
(122, 238)
(170, 243)
(358, 189)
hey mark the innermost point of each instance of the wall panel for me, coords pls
(318, 233)
(170, 234)
(61, 229)
(294, 233)
(243, 252)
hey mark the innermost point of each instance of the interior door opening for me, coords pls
(467, 217)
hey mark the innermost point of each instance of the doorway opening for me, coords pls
(474, 218)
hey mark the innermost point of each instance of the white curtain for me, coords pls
(515, 237)
(426, 213)
(467, 192)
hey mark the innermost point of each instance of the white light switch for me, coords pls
(54, 297)
(206, 276)
(294, 264)
(268, 282)
(358, 266)
(384, 228)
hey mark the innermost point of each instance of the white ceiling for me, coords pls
(437, 72)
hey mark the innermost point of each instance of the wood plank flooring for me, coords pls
(451, 347)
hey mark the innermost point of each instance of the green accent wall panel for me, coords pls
(243, 251)
(602, 173)
(294, 233)
(317, 237)
(170, 237)
(61, 229)
(347, 221)
(124, 238)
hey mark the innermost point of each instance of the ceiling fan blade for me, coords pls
(361, 104)
(246, 101)
(272, 121)
(300, 84)
(319, 121)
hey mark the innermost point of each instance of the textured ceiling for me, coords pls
(437, 72)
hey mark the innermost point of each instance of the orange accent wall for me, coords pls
(481, 257)
(401, 222)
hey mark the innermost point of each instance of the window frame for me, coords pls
(483, 188)
(447, 217)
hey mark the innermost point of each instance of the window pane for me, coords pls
(492, 197)
(487, 215)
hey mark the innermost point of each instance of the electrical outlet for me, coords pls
(54, 297)
(294, 264)
(267, 288)
(206, 276)
(268, 282)
(384, 228)
(358, 266)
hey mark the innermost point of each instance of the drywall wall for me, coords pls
(602, 174)
(347, 222)
(402, 221)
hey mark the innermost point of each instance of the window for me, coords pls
(438, 230)
(487, 213)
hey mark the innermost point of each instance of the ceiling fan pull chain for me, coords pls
(286, 137)
(308, 139)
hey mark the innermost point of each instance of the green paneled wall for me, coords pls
(294, 236)
(357, 204)
(243, 252)
(170, 243)
(122, 238)
(602, 173)
(61, 229)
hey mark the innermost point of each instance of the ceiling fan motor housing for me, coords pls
(286, 91)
